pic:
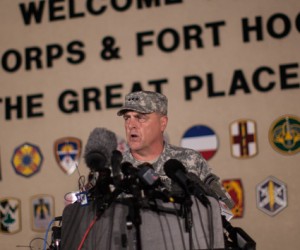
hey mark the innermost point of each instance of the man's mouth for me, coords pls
(134, 136)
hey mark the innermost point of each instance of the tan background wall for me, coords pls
(222, 61)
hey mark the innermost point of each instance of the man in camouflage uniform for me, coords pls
(145, 116)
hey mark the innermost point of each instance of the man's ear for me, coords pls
(163, 122)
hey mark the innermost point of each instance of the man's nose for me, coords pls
(132, 123)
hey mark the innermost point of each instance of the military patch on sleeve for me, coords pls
(243, 138)
(10, 215)
(42, 212)
(67, 152)
(235, 189)
(284, 135)
(27, 159)
(271, 196)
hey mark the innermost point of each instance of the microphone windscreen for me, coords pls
(171, 166)
(95, 160)
(99, 148)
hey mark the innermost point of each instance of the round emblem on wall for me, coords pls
(202, 139)
(27, 159)
(284, 135)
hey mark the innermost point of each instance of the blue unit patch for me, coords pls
(67, 152)
(271, 196)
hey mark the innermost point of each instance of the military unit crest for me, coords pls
(42, 212)
(10, 215)
(234, 188)
(284, 134)
(67, 152)
(243, 138)
(27, 159)
(202, 139)
(271, 195)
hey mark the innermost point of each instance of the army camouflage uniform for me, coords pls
(191, 159)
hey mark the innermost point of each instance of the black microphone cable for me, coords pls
(209, 243)
(180, 227)
(197, 181)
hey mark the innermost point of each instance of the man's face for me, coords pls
(144, 131)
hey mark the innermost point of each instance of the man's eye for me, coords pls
(142, 118)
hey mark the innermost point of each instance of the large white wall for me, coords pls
(209, 80)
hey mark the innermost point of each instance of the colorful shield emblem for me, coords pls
(10, 215)
(235, 189)
(202, 139)
(271, 196)
(243, 138)
(27, 159)
(42, 212)
(284, 135)
(67, 152)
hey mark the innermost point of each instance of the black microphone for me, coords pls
(212, 181)
(130, 184)
(116, 160)
(128, 169)
(147, 174)
(153, 183)
(99, 149)
(176, 171)
(193, 177)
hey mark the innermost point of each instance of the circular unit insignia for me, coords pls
(27, 159)
(202, 139)
(284, 135)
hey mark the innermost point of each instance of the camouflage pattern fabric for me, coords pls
(191, 159)
(145, 102)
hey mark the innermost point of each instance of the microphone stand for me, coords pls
(134, 203)
(187, 214)
(134, 218)
(239, 238)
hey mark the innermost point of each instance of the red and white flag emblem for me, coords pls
(202, 139)
(243, 138)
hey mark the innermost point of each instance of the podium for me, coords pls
(161, 227)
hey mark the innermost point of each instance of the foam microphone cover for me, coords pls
(172, 166)
(99, 149)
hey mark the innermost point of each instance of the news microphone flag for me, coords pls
(202, 139)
